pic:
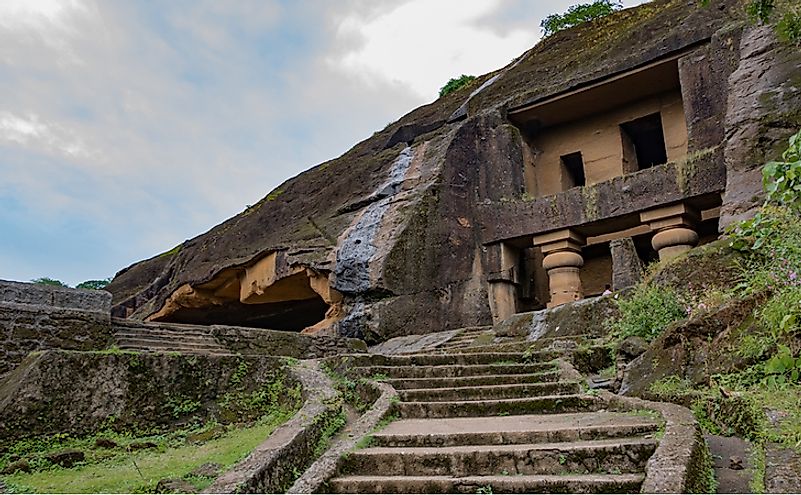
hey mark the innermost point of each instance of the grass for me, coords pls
(119, 475)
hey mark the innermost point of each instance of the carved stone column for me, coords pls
(502, 261)
(562, 261)
(674, 228)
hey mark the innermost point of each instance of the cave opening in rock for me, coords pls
(292, 316)
(269, 293)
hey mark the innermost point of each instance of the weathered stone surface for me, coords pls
(764, 98)
(21, 466)
(583, 318)
(627, 268)
(174, 485)
(633, 346)
(400, 227)
(136, 390)
(207, 470)
(37, 317)
(694, 349)
(58, 297)
(105, 443)
(782, 470)
(66, 458)
(274, 465)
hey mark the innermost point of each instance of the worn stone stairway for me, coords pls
(148, 337)
(495, 422)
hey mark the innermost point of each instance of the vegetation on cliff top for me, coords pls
(456, 83)
(579, 14)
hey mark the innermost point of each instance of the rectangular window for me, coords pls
(643, 143)
(573, 170)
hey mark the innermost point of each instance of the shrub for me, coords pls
(647, 312)
(94, 284)
(456, 83)
(49, 281)
(578, 14)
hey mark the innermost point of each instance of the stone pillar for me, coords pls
(502, 261)
(627, 269)
(674, 228)
(562, 261)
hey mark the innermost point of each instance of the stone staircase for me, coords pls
(149, 337)
(495, 422)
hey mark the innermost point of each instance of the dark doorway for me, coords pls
(643, 143)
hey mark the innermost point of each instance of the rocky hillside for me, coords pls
(393, 228)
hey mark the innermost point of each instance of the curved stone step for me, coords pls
(450, 371)
(621, 455)
(473, 381)
(444, 359)
(485, 392)
(589, 483)
(513, 429)
(534, 405)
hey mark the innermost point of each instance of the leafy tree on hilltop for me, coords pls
(578, 14)
(49, 281)
(94, 284)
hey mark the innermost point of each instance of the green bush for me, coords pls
(456, 83)
(648, 312)
(49, 281)
(94, 284)
(578, 14)
(789, 27)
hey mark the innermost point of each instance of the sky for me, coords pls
(128, 127)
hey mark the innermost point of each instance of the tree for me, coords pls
(578, 14)
(94, 284)
(455, 83)
(49, 281)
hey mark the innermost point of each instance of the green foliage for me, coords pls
(49, 281)
(782, 179)
(578, 14)
(789, 27)
(782, 368)
(113, 470)
(94, 284)
(647, 312)
(456, 83)
(181, 406)
(760, 10)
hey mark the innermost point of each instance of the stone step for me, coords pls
(549, 404)
(473, 381)
(589, 483)
(624, 455)
(177, 350)
(149, 343)
(506, 391)
(451, 370)
(443, 359)
(177, 338)
(513, 429)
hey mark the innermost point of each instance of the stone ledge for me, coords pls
(680, 461)
(272, 465)
(327, 466)
(60, 297)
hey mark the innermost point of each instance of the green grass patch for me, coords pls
(114, 471)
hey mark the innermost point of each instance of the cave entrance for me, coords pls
(292, 316)
(270, 294)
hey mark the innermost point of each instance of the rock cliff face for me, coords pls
(391, 238)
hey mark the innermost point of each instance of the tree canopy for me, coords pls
(578, 14)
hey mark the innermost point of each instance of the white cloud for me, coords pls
(32, 132)
(421, 44)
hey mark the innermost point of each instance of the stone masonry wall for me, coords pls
(37, 317)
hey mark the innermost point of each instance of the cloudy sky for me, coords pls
(129, 126)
